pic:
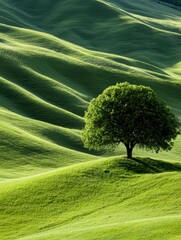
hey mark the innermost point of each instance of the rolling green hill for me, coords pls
(109, 199)
(113, 26)
(55, 56)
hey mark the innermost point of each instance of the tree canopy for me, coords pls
(132, 115)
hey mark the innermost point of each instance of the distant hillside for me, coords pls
(174, 2)
(120, 27)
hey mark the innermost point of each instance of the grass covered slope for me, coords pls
(46, 82)
(120, 199)
(114, 26)
(46, 86)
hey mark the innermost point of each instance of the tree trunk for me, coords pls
(129, 152)
(129, 148)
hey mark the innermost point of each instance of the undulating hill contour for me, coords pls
(55, 56)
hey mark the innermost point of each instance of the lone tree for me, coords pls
(131, 115)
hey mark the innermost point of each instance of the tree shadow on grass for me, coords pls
(148, 165)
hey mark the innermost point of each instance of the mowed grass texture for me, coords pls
(55, 56)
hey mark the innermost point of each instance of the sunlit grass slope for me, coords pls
(112, 198)
(143, 30)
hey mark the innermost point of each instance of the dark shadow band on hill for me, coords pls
(148, 165)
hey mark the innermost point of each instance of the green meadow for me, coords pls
(55, 56)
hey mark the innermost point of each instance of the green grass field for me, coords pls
(55, 56)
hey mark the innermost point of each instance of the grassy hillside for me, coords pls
(55, 56)
(112, 198)
(50, 82)
(113, 26)
(46, 85)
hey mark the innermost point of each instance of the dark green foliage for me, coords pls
(132, 115)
